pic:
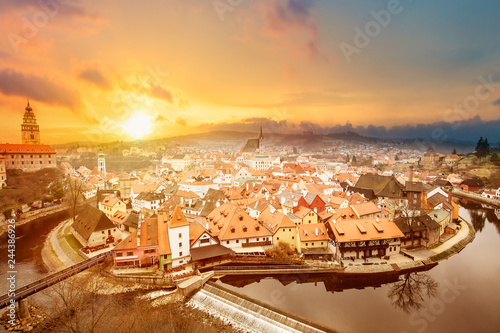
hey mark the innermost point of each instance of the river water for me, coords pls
(465, 289)
(30, 238)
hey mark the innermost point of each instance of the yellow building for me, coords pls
(306, 215)
(283, 229)
(312, 241)
(110, 206)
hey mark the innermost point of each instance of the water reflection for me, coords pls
(412, 291)
(480, 213)
(413, 283)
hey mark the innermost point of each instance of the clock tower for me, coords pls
(30, 131)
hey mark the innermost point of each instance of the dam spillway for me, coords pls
(250, 314)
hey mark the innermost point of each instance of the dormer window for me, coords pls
(232, 229)
(244, 228)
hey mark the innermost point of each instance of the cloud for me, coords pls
(292, 21)
(68, 9)
(497, 102)
(39, 88)
(180, 121)
(162, 93)
(94, 76)
(160, 118)
(307, 98)
(467, 130)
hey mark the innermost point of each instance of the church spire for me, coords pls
(261, 135)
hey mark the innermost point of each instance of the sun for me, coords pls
(138, 125)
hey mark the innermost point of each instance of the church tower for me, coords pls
(101, 163)
(30, 131)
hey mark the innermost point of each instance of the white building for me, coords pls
(178, 236)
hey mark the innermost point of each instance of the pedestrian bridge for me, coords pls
(44, 283)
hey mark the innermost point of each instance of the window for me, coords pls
(312, 244)
(102, 232)
(180, 244)
(237, 241)
(289, 229)
(129, 253)
(119, 254)
(227, 242)
(277, 238)
(293, 237)
(180, 235)
(180, 254)
(258, 239)
(321, 243)
(307, 244)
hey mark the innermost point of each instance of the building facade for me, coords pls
(30, 130)
(3, 172)
(30, 155)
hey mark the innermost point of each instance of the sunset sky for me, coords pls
(89, 67)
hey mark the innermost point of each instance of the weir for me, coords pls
(249, 313)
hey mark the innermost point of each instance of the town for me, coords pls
(193, 211)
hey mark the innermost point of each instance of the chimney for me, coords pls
(450, 195)
(316, 231)
(410, 176)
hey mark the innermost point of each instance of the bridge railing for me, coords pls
(52, 279)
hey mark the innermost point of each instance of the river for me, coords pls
(464, 289)
(30, 238)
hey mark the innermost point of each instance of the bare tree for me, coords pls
(77, 306)
(408, 215)
(74, 194)
(410, 291)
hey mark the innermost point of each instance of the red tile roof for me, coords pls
(26, 149)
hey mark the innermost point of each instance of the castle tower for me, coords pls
(30, 131)
(101, 163)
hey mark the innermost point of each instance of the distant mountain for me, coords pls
(233, 140)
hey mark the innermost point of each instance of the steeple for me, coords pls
(101, 163)
(261, 135)
(30, 131)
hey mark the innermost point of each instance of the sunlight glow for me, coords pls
(138, 126)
